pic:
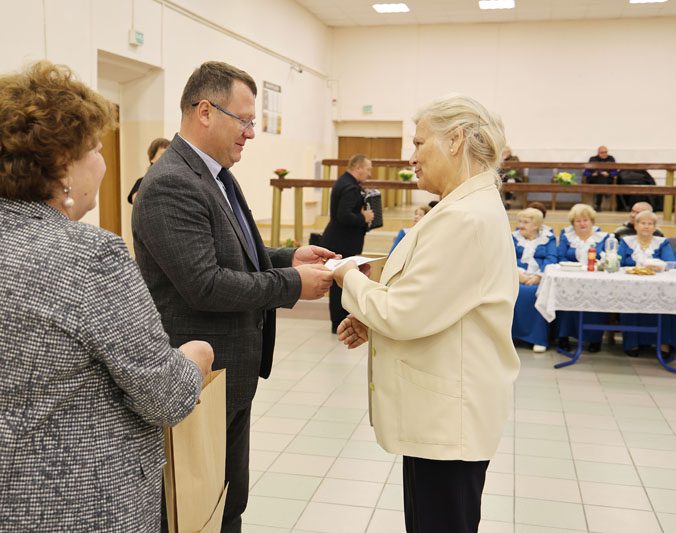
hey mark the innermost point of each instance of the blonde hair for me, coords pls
(483, 132)
(424, 208)
(581, 210)
(646, 214)
(532, 214)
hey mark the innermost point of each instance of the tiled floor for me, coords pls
(588, 448)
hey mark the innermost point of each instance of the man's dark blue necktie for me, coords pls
(226, 179)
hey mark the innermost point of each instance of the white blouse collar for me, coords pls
(638, 254)
(529, 246)
(582, 247)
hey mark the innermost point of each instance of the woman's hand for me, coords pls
(532, 280)
(201, 353)
(523, 278)
(352, 333)
(312, 255)
(339, 273)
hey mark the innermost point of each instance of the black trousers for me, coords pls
(338, 314)
(236, 468)
(443, 496)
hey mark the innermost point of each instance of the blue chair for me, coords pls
(672, 243)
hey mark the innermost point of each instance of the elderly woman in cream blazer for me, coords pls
(441, 359)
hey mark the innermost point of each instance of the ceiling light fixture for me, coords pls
(496, 4)
(391, 8)
(646, 1)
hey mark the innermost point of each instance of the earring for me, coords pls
(68, 202)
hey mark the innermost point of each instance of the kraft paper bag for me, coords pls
(194, 475)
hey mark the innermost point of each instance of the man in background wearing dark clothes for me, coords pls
(600, 176)
(348, 223)
(628, 227)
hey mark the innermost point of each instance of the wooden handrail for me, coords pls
(327, 184)
(374, 162)
(527, 164)
(279, 184)
(593, 166)
(631, 190)
(661, 190)
(668, 190)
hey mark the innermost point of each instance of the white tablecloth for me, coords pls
(619, 292)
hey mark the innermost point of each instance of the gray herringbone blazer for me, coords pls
(87, 377)
(193, 256)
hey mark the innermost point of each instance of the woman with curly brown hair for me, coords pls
(87, 375)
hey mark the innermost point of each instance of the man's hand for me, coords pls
(312, 255)
(352, 333)
(201, 353)
(368, 215)
(315, 281)
(339, 273)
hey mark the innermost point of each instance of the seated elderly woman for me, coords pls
(535, 249)
(87, 375)
(543, 209)
(574, 245)
(441, 360)
(636, 250)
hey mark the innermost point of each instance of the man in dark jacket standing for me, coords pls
(348, 223)
(203, 259)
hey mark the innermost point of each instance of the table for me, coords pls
(603, 292)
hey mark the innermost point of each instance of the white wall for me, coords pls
(178, 37)
(141, 121)
(306, 128)
(562, 88)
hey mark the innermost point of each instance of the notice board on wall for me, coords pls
(272, 108)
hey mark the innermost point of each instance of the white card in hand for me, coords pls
(332, 264)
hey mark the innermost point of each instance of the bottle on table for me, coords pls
(612, 259)
(591, 259)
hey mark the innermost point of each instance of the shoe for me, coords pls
(632, 352)
(564, 343)
(538, 348)
(594, 347)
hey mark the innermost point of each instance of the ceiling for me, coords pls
(360, 12)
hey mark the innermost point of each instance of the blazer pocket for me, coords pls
(149, 445)
(429, 407)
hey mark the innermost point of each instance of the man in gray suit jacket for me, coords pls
(203, 258)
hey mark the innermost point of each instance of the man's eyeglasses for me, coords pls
(243, 124)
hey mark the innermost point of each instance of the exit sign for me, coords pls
(136, 37)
